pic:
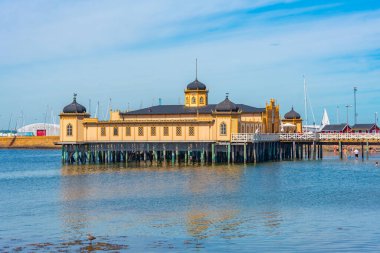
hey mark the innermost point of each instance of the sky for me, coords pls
(137, 52)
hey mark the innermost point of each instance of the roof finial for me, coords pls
(227, 94)
(75, 98)
(196, 68)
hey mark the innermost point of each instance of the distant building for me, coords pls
(292, 122)
(7, 133)
(365, 128)
(336, 128)
(39, 129)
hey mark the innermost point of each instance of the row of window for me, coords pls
(193, 100)
(153, 130)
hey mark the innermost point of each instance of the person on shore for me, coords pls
(356, 152)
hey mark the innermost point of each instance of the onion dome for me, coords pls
(196, 85)
(74, 107)
(292, 114)
(226, 106)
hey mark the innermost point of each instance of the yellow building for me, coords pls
(194, 122)
(292, 122)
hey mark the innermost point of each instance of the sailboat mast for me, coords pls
(305, 97)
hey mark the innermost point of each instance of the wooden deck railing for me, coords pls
(250, 137)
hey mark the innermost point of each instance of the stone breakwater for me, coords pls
(29, 142)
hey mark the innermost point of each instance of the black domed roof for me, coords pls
(74, 107)
(292, 114)
(196, 85)
(226, 106)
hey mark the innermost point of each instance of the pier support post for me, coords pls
(155, 156)
(228, 153)
(367, 151)
(233, 154)
(213, 152)
(203, 156)
(176, 156)
(63, 153)
(245, 153)
(362, 151)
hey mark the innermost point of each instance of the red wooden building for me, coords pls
(336, 128)
(365, 128)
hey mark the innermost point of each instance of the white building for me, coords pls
(39, 129)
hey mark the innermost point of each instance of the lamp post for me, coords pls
(347, 106)
(375, 122)
(337, 114)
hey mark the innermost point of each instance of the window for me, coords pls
(153, 131)
(178, 131)
(115, 131)
(103, 131)
(128, 131)
(69, 130)
(187, 100)
(193, 100)
(191, 131)
(166, 131)
(201, 100)
(243, 129)
(141, 131)
(223, 129)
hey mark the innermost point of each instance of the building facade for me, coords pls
(196, 121)
(292, 122)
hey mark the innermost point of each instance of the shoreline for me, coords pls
(29, 142)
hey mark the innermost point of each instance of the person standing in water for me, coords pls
(356, 152)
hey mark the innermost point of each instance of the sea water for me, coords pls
(330, 205)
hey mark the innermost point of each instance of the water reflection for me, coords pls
(204, 179)
(207, 202)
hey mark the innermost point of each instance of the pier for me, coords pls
(243, 148)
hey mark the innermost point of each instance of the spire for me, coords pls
(75, 98)
(227, 94)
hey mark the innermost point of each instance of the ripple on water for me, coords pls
(304, 206)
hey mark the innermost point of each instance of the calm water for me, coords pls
(308, 206)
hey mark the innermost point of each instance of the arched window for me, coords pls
(193, 100)
(223, 129)
(201, 100)
(69, 130)
(115, 131)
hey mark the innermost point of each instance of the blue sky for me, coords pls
(138, 51)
